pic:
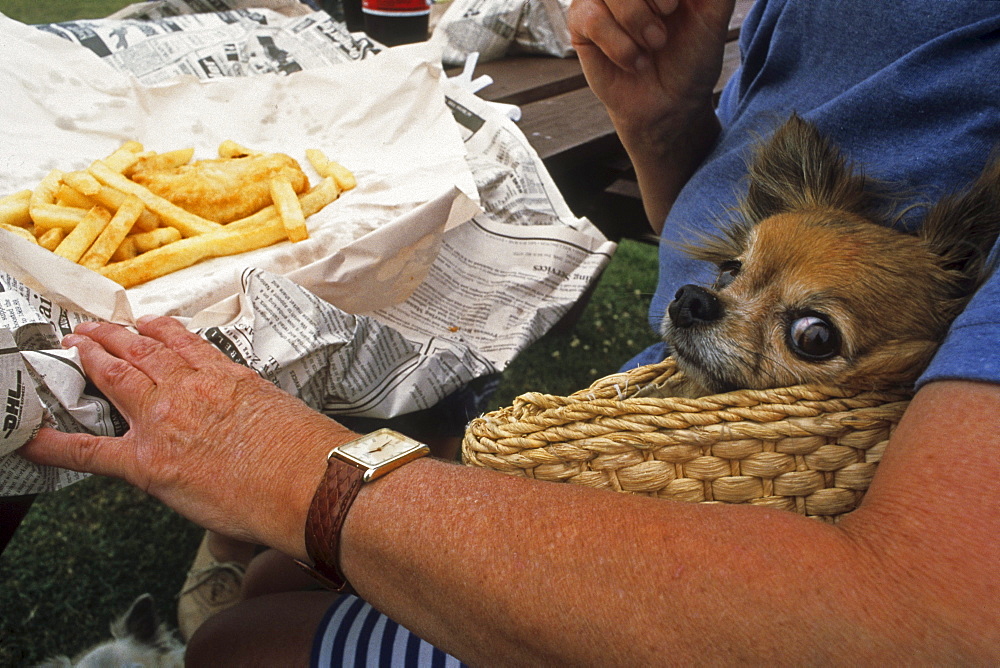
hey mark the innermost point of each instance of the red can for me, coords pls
(395, 22)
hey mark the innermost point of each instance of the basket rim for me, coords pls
(748, 446)
(617, 393)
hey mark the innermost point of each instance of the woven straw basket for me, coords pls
(808, 449)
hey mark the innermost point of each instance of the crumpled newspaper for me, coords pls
(495, 28)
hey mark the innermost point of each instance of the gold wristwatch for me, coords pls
(366, 459)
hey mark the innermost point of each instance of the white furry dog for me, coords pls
(138, 639)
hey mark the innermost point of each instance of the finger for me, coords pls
(596, 33)
(642, 21)
(78, 452)
(194, 349)
(665, 6)
(127, 354)
(121, 382)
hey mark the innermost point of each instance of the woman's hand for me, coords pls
(208, 437)
(650, 60)
(654, 64)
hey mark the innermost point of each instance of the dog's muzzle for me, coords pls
(694, 305)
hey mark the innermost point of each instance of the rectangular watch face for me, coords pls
(379, 448)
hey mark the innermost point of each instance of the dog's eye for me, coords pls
(728, 271)
(813, 338)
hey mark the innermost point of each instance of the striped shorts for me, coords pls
(353, 633)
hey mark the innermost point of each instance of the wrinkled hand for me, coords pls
(208, 437)
(651, 61)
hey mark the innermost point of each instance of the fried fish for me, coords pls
(222, 190)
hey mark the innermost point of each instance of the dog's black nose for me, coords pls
(692, 305)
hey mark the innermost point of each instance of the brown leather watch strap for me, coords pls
(329, 507)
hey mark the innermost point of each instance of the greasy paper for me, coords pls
(398, 138)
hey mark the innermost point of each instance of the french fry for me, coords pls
(142, 242)
(230, 149)
(70, 196)
(125, 156)
(15, 209)
(45, 191)
(83, 235)
(311, 202)
(51, 238)
(186, 252)
(289, 209)
(113, 199)
(126, 251)
(19, 231)
(113, 234)
(166, 160)
(162, 236)
(83, 183)
(187, 223)
(19, 196)
(107, 197)
(47, 216)
(74, 206)
(316, 199)
(328, 168)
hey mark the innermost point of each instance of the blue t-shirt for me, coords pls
(908, 90)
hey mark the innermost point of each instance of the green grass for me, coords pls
(34, 11)
(84, 553)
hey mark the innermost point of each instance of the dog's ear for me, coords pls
(140, 622)
(728, 243)
(895, 363)
(962, 229)
(798, 168)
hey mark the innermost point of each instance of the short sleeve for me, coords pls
(971, 350)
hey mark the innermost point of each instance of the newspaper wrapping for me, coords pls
(495, 28)
(490, 286)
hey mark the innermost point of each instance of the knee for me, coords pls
(216, 641)
(275, 630)
(272, 572)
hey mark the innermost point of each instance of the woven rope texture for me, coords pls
(808, 449)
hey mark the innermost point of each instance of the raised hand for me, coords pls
(654, 65)
(648, 59)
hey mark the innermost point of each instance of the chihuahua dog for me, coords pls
(815, 285)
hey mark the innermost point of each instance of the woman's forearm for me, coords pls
(664, 162)
(501, 570)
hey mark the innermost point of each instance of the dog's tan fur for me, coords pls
(815, 238)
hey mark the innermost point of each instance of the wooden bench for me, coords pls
(570, 129)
